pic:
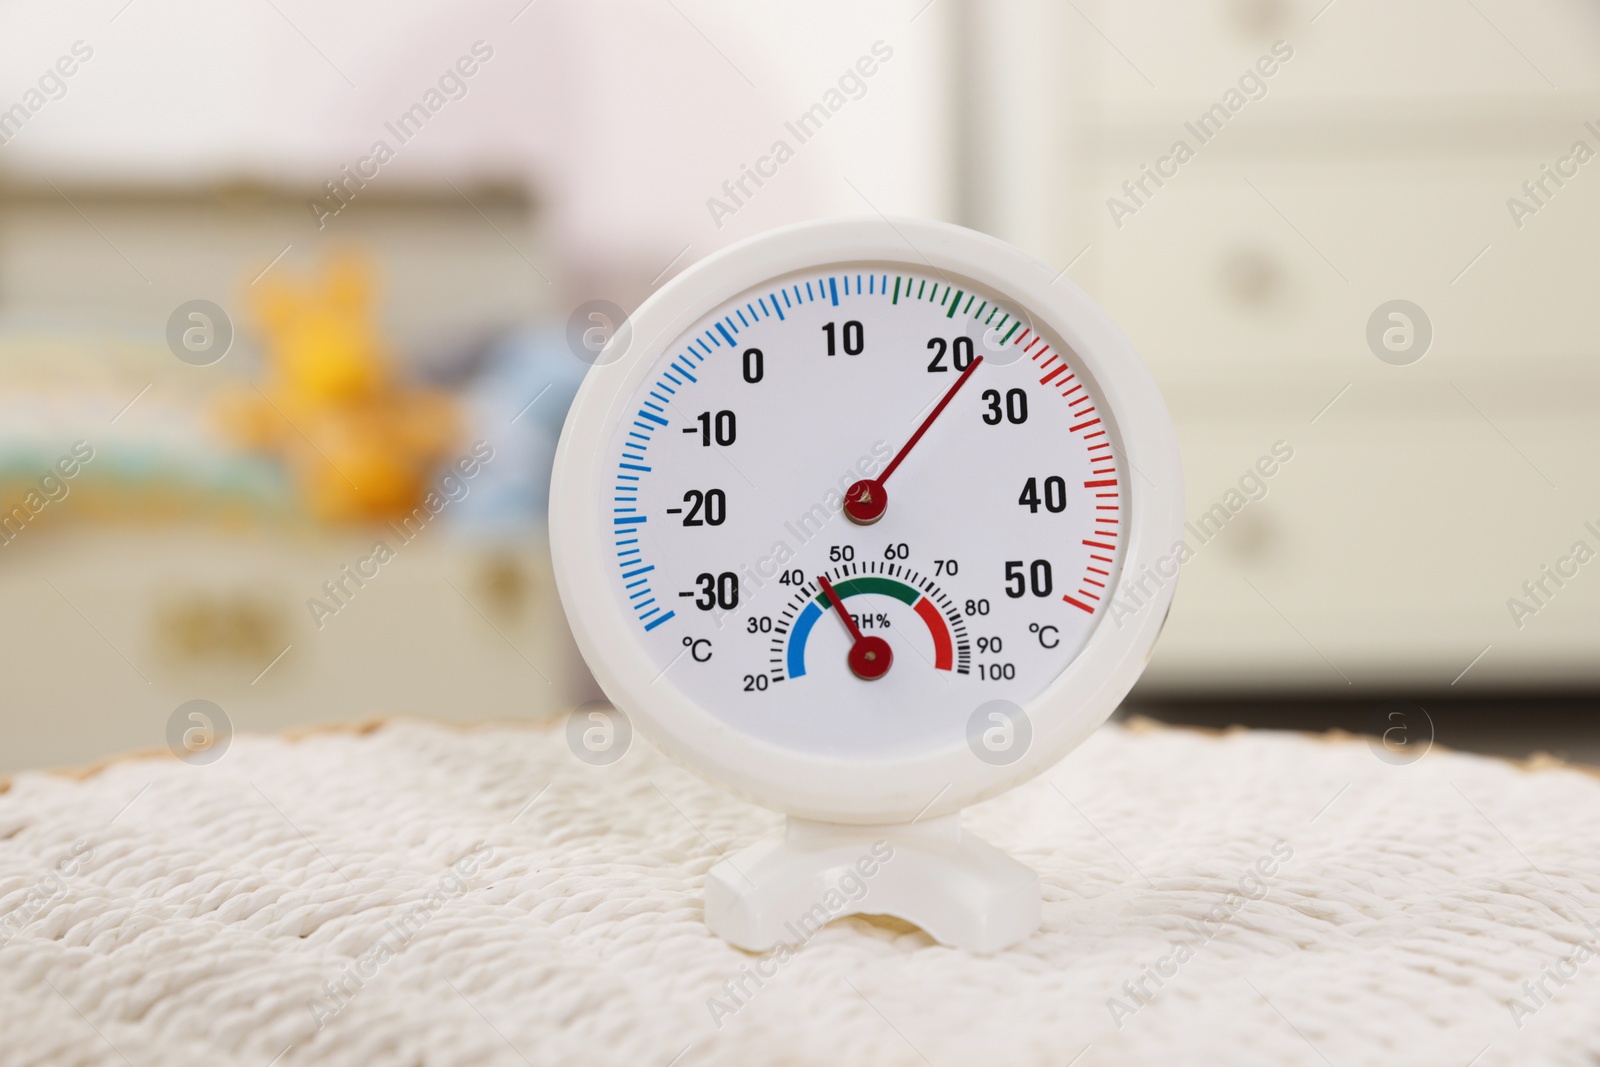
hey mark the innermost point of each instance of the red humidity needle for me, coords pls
(870, 657)
(865, 501)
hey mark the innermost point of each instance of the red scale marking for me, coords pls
(1059, 376)
(942, 651)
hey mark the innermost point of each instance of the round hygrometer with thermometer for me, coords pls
(838, 517)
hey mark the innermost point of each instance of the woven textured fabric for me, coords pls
(391, 896)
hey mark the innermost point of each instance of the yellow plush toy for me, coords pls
(360, 443)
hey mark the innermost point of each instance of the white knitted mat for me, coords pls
(392, 897)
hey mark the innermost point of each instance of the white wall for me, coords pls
(628, 114)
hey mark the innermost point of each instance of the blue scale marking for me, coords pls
(726, 334)
(833, 290)
(796, 665)
(742, 319)
(785, 293)
(631, 558)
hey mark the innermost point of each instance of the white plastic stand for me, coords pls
(960, 889)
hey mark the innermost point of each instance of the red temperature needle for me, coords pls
(870, 657)
(866, 500)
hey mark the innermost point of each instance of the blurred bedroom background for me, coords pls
(273, 272)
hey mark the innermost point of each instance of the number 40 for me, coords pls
(1054, 499)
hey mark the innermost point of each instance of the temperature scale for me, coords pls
(839, 518)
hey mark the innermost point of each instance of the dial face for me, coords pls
(883, 437)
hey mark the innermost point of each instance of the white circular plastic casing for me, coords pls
(876, 790)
